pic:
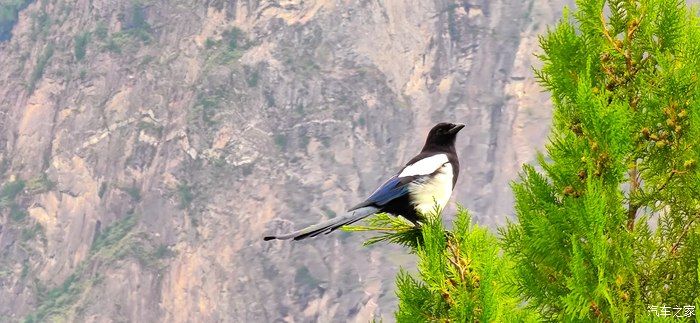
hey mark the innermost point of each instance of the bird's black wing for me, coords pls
(392, 189)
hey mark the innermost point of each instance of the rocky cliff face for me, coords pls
(146, 147)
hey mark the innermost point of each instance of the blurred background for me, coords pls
(147, 146)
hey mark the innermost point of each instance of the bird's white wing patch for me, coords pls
(424, 166)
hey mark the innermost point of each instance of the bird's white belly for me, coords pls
(436, 189)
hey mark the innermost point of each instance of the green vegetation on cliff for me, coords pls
(9, 10)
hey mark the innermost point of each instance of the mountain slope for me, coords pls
(147, 146)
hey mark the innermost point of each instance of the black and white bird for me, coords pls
(427, 179)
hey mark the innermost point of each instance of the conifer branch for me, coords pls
(616, 44)
(456, 260)
(668, 179)
(392, 229)
(633, 207)
(686, 228)
(631, 29)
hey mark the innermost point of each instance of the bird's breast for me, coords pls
(436, 188)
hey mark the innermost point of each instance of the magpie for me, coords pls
(427, 179)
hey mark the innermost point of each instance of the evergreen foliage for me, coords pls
(607, 225)
(80, 45)
(607, 221)
(462, 273)
(38, 71)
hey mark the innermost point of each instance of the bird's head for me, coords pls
(443, 135)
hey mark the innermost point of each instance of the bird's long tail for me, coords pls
(327, 226)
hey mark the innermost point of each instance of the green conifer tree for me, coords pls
(462, 273)
(608, 223)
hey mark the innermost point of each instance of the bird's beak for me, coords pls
(456, 128)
